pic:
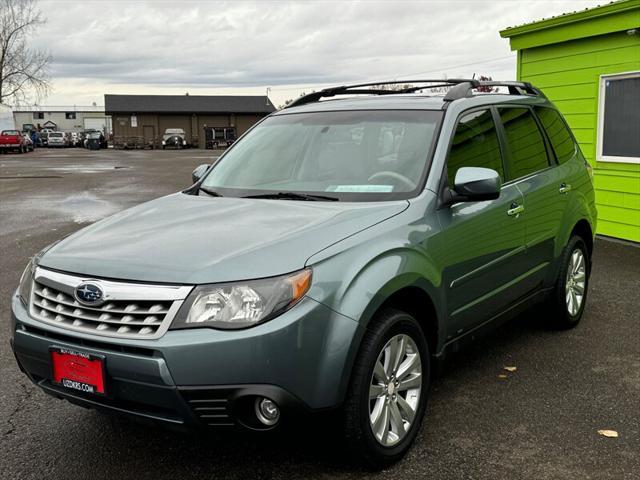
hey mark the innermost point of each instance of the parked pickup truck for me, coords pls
(12, 140)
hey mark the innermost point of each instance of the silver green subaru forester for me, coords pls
(326, 262)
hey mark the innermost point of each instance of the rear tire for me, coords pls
(387, 399)
(569, 296)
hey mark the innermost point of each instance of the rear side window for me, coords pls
(475, 144)
(558, 133)
(528, 153)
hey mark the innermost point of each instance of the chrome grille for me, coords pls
(130, 310)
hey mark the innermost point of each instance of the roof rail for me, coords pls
(358, 89)
(459, 88)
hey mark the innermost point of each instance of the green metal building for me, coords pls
(588, 64)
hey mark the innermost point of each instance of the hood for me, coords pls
(190, 239)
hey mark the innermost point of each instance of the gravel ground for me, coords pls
(541, 422)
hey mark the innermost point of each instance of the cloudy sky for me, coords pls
(217, 47)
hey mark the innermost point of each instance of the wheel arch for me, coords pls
(583, 229)
(415, 296)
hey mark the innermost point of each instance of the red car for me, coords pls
(13, 140)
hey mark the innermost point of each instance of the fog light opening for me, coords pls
(267, 411)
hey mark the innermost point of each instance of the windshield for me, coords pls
(349, 155)
(55, 135)
(10, 132)
(94, 135)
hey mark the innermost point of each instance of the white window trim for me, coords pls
(599, 145)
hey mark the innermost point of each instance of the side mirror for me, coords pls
(199, 172)
(475, 184)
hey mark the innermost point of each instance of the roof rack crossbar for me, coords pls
(459, 88)
(515, 88)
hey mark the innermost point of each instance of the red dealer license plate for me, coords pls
(79, 371)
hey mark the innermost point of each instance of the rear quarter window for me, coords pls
(559, 135)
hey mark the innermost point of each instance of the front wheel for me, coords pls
(388, 392)
(569, 296)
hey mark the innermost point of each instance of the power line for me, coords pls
(407, 75)
(459, 66)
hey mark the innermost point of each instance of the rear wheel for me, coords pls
(388, 392)
(568, 298)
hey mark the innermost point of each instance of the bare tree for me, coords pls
(23, 70)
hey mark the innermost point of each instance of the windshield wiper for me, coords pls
(213, 193)
(294, 196)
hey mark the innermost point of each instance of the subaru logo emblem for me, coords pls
(89, 294)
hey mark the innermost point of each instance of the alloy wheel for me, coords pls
(576, 282)
(394, 391)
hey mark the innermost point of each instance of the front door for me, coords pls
(481, 246)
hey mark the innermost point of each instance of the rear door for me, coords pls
(573, 179)
(481, 246)
(532, 168)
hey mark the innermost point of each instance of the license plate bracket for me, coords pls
(76, 370)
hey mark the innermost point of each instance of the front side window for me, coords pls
(475, 144)
(348, 155)
(619, 118)
(559, 135)
(527, 151)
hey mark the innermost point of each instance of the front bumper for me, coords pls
(204, 377)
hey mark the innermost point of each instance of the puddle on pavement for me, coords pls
(83, 207)
(87, 168)
(41, 210)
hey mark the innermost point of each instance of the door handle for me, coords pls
(564, 188)
(515, 209)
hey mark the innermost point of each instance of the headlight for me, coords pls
(26, 280)
(163, 142)
(241, 304)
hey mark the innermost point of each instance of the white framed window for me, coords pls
(619, 118)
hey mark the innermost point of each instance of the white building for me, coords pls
(63, 118)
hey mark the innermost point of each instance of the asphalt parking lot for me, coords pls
(540, 422)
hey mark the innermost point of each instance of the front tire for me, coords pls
(388, 393)
(569, 296)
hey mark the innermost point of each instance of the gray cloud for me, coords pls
(156, 46)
